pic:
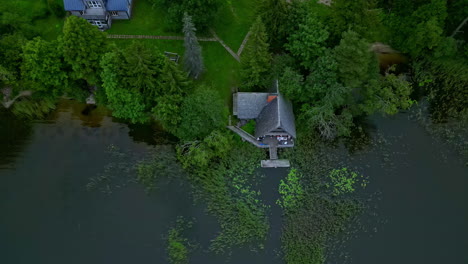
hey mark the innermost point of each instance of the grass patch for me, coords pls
(175, 46)
(145, 20)
(233, 21)
(221, 69)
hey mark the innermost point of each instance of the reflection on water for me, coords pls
(14, 136)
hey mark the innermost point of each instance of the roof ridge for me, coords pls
(279, 110)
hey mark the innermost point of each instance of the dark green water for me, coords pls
(48, 216)
(422, 215)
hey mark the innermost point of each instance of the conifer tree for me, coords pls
(174, 87)
(274, 14)
(256, 59)
(193, 61)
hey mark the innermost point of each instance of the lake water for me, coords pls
(48, 215)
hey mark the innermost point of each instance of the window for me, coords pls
(81, 12)
(114, 13)
(97, 23)
(94, 4)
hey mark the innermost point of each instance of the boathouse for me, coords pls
(274, 122)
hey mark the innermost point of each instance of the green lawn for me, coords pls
(222, 70)
(233, 22)
(145, 20)
(175, 46)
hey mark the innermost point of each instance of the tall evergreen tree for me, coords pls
(256, 59)
(174, 87)
(193, 60)
(83, 45)
(274, 14)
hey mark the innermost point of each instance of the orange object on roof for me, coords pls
(271, 98)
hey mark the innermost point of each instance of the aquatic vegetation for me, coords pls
(343, 181)
(162, 162)
(312, 217)
(307, 230)
(223, 180)
(117, 173)
(32, 108)
(178, 247)
(159, 162)
(291, 191)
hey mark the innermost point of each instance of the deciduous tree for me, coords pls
(43, 64)
(202, 112)
(361, 16)
(356, 63)
(308, 41)
(83, 45)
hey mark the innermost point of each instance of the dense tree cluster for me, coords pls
(325, 64)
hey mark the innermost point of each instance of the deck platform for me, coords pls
(278, 163)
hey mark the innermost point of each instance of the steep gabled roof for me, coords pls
(278, 114)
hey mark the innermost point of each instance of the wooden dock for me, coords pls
(278, 163)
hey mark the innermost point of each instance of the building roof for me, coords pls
(73, 5)
(249, 105)
(117, 5)
(111, 5)
(272, 111)
(277, 115)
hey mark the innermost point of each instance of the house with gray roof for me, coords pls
(99, 12)
(274, 122)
